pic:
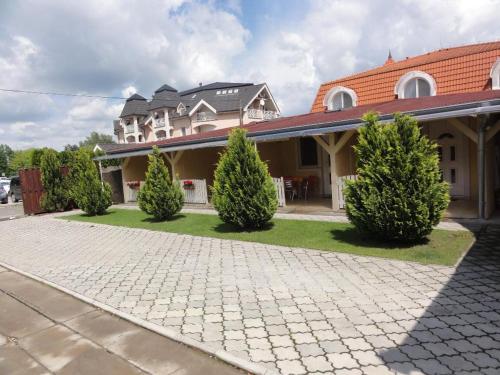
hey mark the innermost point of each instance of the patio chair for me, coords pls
(290, 188)
(305, 188)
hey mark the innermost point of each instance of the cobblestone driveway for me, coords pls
(294, 311)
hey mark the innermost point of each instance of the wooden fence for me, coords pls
(197, 193)
(280, 190)
(340, 188)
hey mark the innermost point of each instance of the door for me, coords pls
(453, 159)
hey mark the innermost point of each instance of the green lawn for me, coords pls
(442, 247)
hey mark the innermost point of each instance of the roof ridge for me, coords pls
(396, 65)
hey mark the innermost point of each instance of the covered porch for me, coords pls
(309, 161)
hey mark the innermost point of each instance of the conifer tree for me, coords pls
(399, 194)
(55, 196)
(86, 189)
(243, 193)
(160, 196)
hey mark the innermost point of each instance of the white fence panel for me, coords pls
(280, 190)
(340, 188)
(197, 194)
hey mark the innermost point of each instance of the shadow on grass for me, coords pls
(154, 220)
(354, 237)
(229, 228)
(107, 213)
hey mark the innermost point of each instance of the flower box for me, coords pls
(188, 185)
(134, 184)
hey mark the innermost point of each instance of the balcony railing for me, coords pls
(159, 122)
(261, 115)
(204, 116)
(129, 129)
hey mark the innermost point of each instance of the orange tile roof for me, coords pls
(455, 70)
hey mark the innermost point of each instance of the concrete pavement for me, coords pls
(45, 331)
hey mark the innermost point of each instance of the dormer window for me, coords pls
(339, 98)
(495, 75)
(415, 84)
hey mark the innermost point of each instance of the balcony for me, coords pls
(204, 116)
(260, 114)
(129, 129)
(159, 122)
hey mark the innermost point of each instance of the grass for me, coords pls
(441, 247)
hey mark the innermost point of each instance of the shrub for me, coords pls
(243, 193)
(399, 194)
(55, 196)
(160, 196)
(89, 193)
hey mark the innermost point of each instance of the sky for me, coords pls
(118, 47)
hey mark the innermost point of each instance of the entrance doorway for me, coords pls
(453, 158)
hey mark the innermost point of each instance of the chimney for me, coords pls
(389, 59)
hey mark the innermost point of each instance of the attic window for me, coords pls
(230, 91)
(339, 98)
(495, 75)
(415, 85)
(224, 92)
(235, 91)
(218, 92)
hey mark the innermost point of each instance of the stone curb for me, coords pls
(222, 355)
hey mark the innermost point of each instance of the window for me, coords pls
(230, 91)
(308, 152)
(224, 91)
(495, 75)
(183, 130)
(416, 88)
(218, 92)
(339, 98)
(415, 84)
(235, 91)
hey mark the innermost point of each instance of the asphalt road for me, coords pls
(10, 210)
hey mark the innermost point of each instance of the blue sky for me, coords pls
(114, 47)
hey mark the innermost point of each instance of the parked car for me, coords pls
(6, 185)
(15, 189)
(4, 197)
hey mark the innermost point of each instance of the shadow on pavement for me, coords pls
(460, 331)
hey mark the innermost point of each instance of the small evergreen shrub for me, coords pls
(55, 196)
(243, 193)
(160, 196)
(399, 194)
(86, 189)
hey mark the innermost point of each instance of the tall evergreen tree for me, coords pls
(399, 194)
(160, 196)
(86, 188)
(243, 193)
(55, 196)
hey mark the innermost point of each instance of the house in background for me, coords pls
(208, 107)
(454, 93)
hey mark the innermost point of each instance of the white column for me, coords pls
(167, 123)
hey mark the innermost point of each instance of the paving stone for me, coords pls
(319, 363)
(367, 357)
(307, 350)
(287, 353)
(481, 359)
(303, 338)
(432, 367)
(357, 344)
(335, 346)
(342, 360)
(457, 363)
(294, 367)
(262, 355)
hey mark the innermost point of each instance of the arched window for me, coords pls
(495, 75)
(339, 98)
(415, 85)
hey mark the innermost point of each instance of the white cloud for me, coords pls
(116, 48)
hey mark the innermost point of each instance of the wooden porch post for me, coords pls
(332, 148)
(173, 159)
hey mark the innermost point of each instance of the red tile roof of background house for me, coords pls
(330, 118)
(455, 70)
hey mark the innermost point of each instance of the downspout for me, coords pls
(483, 122)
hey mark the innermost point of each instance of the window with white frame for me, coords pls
(415, 84)
(339, 98)
(495, 75)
